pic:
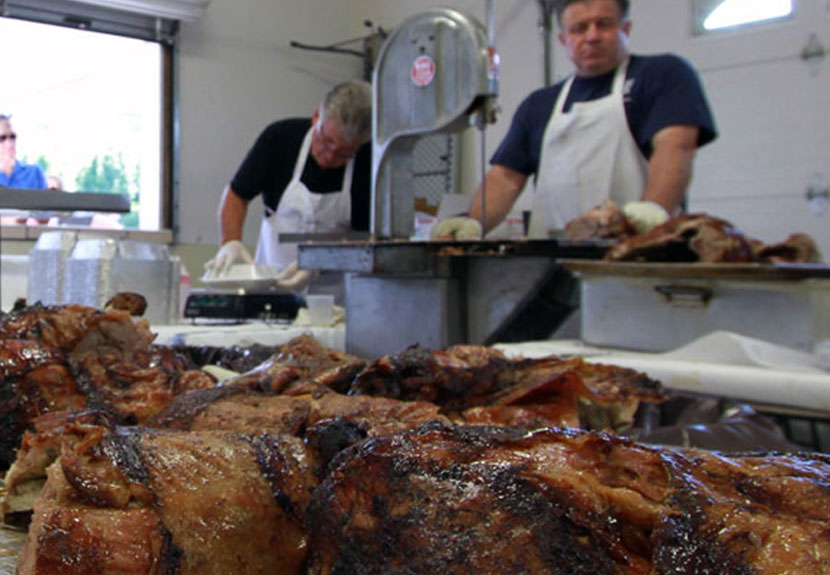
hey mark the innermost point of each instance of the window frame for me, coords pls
(703, 8)
(163, 31)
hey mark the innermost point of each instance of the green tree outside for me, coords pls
(108, 175)
(43, 163)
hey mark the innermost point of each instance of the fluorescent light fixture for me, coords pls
(187, 10)
(736, 12)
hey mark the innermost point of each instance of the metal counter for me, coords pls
(437, 293)
(661, 306)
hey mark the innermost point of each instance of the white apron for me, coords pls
(587, 155)
(300, 211)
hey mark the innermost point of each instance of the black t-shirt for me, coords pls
(660, 91)
(269, 165)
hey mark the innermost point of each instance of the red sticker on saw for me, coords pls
(423, 70)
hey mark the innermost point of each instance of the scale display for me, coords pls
(227, 305)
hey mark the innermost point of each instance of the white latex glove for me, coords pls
(460, 228)
(293, 278)
(230, 253)
(644, 216)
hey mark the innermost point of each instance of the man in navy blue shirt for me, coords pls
(624, 127)
(14, 174)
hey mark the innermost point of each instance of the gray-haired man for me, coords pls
(314, 175)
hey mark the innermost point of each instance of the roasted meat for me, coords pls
(132, 391)
(34, 379)
(707, 239)
(134, 500)
(472, 500)
(63, 358)
(298, 367)
(475, 384)
(291, 414)
(456, 374)
(604, 221)
(39, 448)
(77, 328)
(686, 238)
(551, 391)
(798, 248)
(300, 359)
(134, 303)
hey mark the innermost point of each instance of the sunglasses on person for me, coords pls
(5, 137)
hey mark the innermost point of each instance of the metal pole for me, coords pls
(482, 123)
(491, 24)
(546, 25)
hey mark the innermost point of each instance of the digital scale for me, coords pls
(241, 305)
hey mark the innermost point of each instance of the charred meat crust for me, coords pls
(34, 379)
(686, 238)
(184, 502)
(466, 500)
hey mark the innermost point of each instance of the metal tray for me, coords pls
(424, 256)
(734, 271)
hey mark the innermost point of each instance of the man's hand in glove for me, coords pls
(230, 253)
(643, 216)
(293, 278)
(460, 228)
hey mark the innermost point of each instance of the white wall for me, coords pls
(237, 73)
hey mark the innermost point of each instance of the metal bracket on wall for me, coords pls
(813, 48)
(818, 188)
(371, 47)
(813, 193)
(546, 26)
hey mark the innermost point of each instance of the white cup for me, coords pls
(320, 309)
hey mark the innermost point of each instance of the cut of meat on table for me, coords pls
(293, 414)
(63, 358)
(302, 358)
(471, 500)
(77, 328)
(162, 502)
(606, 220)
(797, 248)
(475, 384)
(36, 379)
(703, 238)
(686, 238)
(39, 448)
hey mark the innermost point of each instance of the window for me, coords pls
(711, 15)
(89, 107)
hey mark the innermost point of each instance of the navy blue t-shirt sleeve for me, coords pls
(521, 146)
(670, 94)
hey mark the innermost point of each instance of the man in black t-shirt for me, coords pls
(314, 176)
(622, 127)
